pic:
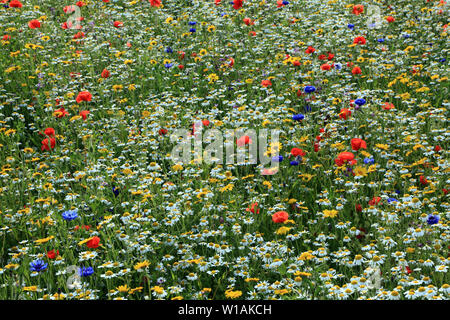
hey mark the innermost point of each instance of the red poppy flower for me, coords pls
(80, 4)
(390, 19)
(84, 96)
(374, 201)
(253, 208)
(60, 113)
(408, 269)
(45, 144)
(69, 9)
(84, 114)
(52, 254)
(180, 66)
(252, 33)
(358, 207)
(6, 37)
(437, 148)
(388, 106)
(359, 40)
(15, 4)
(155, 3)
(358, 9)
(162, 132)
(105, 73)
(83, 227)
(244, 140)
(330, 56)
(78, 35)
(280, 216)
(316, 147)
(345, 113)
(49, 132)
(33, 24)
(297, 152)
(325, 67)
(118, 24)
(266, 83)
(423, 180)
(344, 157)
(217, 2)
(237, 4)
(93, 243)
(248, 21)
(310, 50)
(356, 70)
(66, 25)
(358, 143)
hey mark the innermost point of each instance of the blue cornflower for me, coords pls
(432, 219)
(307, 108)
(442, 60)
(389, 200)
(360, 101)
(115, 190)
(168, 65)
(338, 66)
(381, 40)
(298, 117)
(38, 265)
(294, 163)
(397, 191)
(192, 23)
(192, 30)
(86, 271)
(351, 26)
(277, 159)
(285, 2)
(70, 215)
(369, 160)
(309, 89)
(169, 50)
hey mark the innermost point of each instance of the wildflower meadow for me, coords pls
(224, 150)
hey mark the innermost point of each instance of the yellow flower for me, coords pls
(123, 288)
(382, 146)
(141, 265)
(360, 171)
(410, 250)
(31, 288)
(158, 290)
(306, 256)
(40, 241)
(138, 289)
(283, 230)
(330, 213)
(177, 167)
(230, 294)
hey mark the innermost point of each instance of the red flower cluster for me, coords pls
(280, 216)
(49, 142)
